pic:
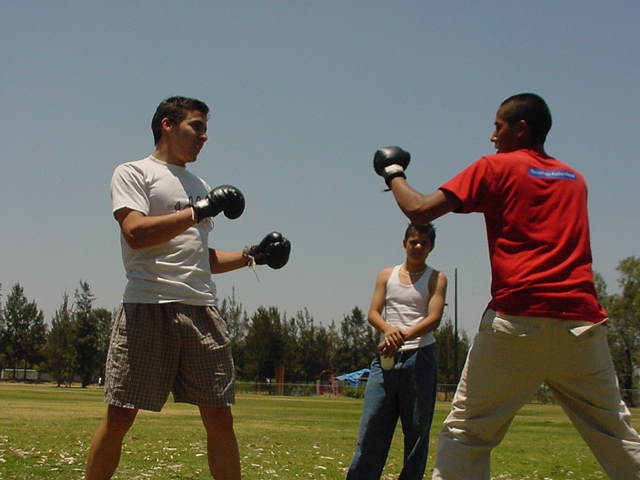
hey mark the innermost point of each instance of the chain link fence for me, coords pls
(444, 392)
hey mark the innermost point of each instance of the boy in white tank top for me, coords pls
(406, 308)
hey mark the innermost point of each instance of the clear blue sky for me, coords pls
(302, 94)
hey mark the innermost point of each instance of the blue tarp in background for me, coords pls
(354, 378)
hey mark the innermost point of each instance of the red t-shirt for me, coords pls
(535, 211)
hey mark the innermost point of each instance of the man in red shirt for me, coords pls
(544, 322)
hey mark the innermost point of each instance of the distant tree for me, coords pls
(327, 340)
(312, 350)
(264, 345)
(3, 334)
(36, 336)
(601, 287)
(60, 352)
(237, 322)
(330, 337)
(87, 334)
(235, 317)
(102, 319)
(357, 344)
(25, 330)
(624, 322)
(446, 346)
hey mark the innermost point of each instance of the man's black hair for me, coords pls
(532, 109)
(175, 109)
(429, 229)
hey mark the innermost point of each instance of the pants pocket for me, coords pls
(509, 325)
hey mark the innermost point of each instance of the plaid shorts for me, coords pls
(172, 347)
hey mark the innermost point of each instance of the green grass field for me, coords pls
(45, 432)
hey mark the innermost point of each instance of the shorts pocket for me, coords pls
(220, 332)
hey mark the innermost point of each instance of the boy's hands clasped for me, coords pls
(393, 340)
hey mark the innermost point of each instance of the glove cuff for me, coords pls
(200, 209)
(249, 259)
(388, 176)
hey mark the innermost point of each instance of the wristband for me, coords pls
(391, 172)
(393, 169)
(250, 261)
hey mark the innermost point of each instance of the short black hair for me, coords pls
(428, 228)
(175, 109)
(532, 109)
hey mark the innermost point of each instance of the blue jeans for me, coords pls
(407, 391)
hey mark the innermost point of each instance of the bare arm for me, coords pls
(221, 262)
(393, 337)
(140, 230)
(438, 291)
(421, 208)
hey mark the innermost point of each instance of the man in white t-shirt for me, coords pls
(406, 308)
(168, 335)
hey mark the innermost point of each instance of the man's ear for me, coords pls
(165, 124)
(522, 129)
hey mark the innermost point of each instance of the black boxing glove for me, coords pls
(273, 250)
(391, 162)
(225, 198)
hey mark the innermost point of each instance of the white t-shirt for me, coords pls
(173, 271)
(406, 305)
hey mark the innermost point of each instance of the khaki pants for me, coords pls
(510, 357)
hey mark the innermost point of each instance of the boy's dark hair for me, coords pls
(429, 229)
(532, 109)
(175, 109)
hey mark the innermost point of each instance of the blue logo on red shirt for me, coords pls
(552, 174)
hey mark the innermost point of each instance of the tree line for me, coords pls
(268, 339)
(624, 323)
(74, 345)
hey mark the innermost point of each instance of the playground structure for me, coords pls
(326, 384)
